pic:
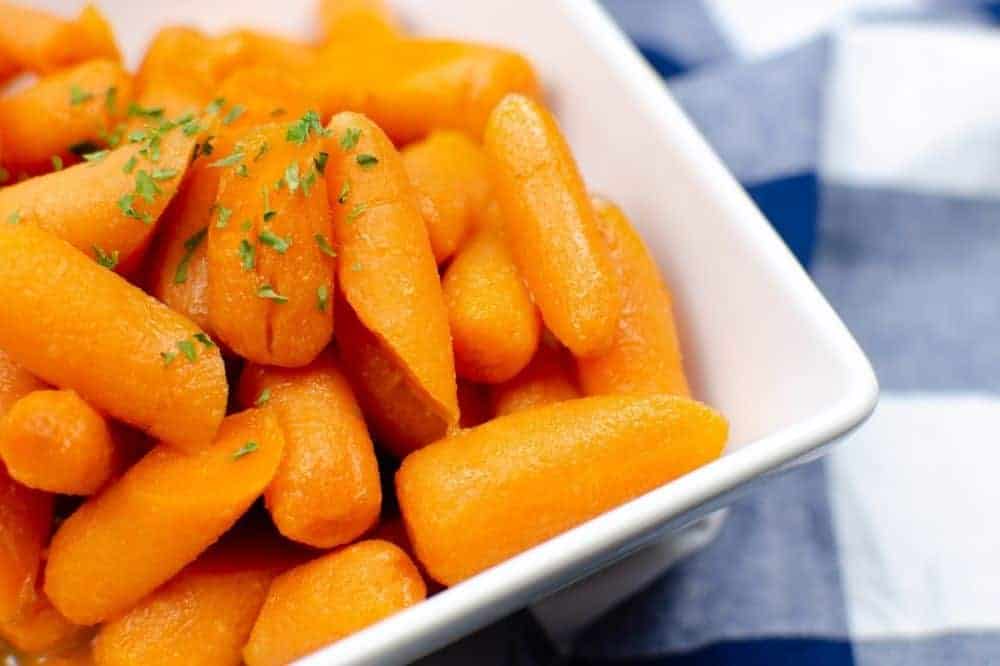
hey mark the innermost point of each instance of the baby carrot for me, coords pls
(356, 20)
(448, 171)
(185, 60)
(326, 492)
(123, 351)
(124, 543)
(330, 598)
(551, 226)
(480, 497)
(15, 383)
(48, 122)
(494, 324)
(271, 267)
(252, 48)
(108, 206)
(547, 379)
(387, 270)
(54, 441)
(645, 356)
(41, 628)
(25, 521)
(40, 42)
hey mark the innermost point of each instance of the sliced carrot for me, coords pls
(547, 379)
(25, 521)
(167, 509)
(41, 42)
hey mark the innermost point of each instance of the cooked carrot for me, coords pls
(330, 598)
(271, 267)
(411, 87)
(357, 20)
(15, 383)
(124, 352)
(547, 379)
(494, 323)
(202, 616)
(178, 269)
(54, 441)
(41, 628)
(645, 356)
(168, 508)
(107, 208)
(551, 226)
(8, 68)
(473, 404)
(327, 490)
(25, 521)
(253, 48)
(476, 499)
(387, 272)
(183, 59)
(40, 42)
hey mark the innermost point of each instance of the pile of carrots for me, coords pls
(248, 267)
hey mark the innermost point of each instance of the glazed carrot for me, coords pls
(330, 598)
(124, 352)
(15, 383)
(25, 521)
(551, 226)
(387, 271)
(40, 42)
(41, 628)
(54, 441)
(271, 266)
(547, 379)
(494, 324)
(168, 508)
(448, 171)
(107, 208)
(473, 404)
(184, 60)
(327, 490)
(75, 107)
(252, 48)
(203, 616)
(487, 494)
(411, 87)
(178, 268)
(357, 20)
(393, 530)
(645, 356)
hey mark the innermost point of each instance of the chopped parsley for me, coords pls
(190, 245)
(322, 297)
(246, 255)
(262, 399)
(78, 95)
(367, 160)
(229, 160)
(269, 212)
(245, 450)
(350, 138)
(345, 191)
(242, 171)
(111, 99)
(146, 187)
(247, 225)
(14, 217)
(268, 292)
(356, 212)
(224, 215)
(96, 156)
(168, 357)
(264, 147)
(164, 174)
(324, 245)
(320, 161)
(215, 105)
(299, 131)
(187, 348)
(235, 112)
(204, 339)
(107, 259)
(129, 166)
(292, 176)
(138, 111)
(274, 241)
(57, 163)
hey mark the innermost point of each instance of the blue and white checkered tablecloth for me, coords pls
(868, 131)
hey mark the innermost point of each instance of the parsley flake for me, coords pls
(292, 176)
(268, 292)
(107, 259)
(228, 160)
(274, 241)
(246, 255)
(14, 217)
(299, 131)
(245, 450)
(242, 171)
(96, 156)
(324, 245)
(264, 147)
(78, 95)
(164, 174)
(57, 163)
(190, 245)
(367, 160)
(168, 357)
(350, 138)
(187, 348)
(215, 105)
(224, 215)
(320, 160)
(146, 187)
(262, 399)
(129, 166)
(235, 112)
(204, 340)
(345, 191)
(356, 212)
(138, 111)
(322, 297)
(111, 99)
(247, 225)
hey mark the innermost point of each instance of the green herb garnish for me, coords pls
(224, 215)
(246, 255)
(187, 348)
(235, 112)
(262, 399)
(324, 245)
(107, 259)
(129, 166)
(350, 138)
(57, 163)
(345, 191)
(356, 212)
(298, 132)
(274, 241)
(190, 245)
(367, 160)
(268, 292)
(322, 297)
(78, 95)
(245, 450)
(204, 340)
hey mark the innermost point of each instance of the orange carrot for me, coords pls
(327, 490)
(8, 68)
(645, 356)
(252, 48)
(15, 383)
(41, 628)
(123, 351)
(25, 521)
(168, 508)
(448, 171)
(107, 208)
(40, 42)
(547, 379)
(387, 273)
(494, 324)
(184, 60)
(330, 598)
(551, 226)
(487, 494)
(357, 20)
(271, 267)
(54, 441)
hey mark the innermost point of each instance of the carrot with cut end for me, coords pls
(330, 598)
(448, 171)
(25, 521)
(645, 356)
(327, 491)
(168, 377)
(495, 326)
(547, 379)
(15, 382)
(551, 226)
(270, 268)
(54, 441)
(476, 499)
(389, 279)
(107, 208)
(357, 20)
(41, 42)
(47, 122)
(166, 510)
(41, 628)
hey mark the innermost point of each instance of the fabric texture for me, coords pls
(868, 132)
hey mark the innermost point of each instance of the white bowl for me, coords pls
(763, 345)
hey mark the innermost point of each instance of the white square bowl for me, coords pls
(763, 345)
